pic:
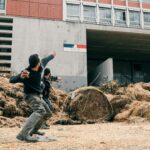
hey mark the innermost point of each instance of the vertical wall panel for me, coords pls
(55, 12)
(43, 10)
(24, 8)
(33, 11)
(13, 7)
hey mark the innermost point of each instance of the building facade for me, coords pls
(95, 40)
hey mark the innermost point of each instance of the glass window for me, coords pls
(89, 13)
(105, 15)
(146, 18)
(2, 4)
(73, 11)
(146, 1)
(120, 15)
(134, 17)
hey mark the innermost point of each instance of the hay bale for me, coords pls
(142, 110)
(2, 103)
(11, 111)
(25, 110)
(10, 89)
(110, 96)
(88, 103)
(110, 87)
(119, 102)
(136, 92)
(58, 97)
(123, 116)
(121, 91)
(136, 119)
(136, 110)
(1, 113)
(9, 123)
(146, 86)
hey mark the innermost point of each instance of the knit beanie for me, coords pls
(34, 60)
(46, 71)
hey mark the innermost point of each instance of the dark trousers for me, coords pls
(48, 102)
(41, 112)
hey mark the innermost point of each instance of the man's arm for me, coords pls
(53, 78)
(45, 60)
(20, 77)
(16, 79)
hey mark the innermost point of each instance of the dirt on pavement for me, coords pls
(104, 136)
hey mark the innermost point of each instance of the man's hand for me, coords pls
(53, 53)
(24, 74)
(59, 78)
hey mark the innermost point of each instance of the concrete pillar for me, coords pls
(113, 13)
(81, 17)
(127, 15)
(64, 10)
(97, 12)
(128, 18)
(113, 16)
(103, 73)
(141, 15)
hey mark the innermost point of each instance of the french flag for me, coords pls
(75, 47)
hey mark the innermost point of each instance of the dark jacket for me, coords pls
(33, 83)
(47, 85)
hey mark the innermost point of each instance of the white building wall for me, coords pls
(43, 36)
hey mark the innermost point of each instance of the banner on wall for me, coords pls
(75, 47)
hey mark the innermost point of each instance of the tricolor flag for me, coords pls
(75, 47)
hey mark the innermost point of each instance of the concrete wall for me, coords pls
(43, 36)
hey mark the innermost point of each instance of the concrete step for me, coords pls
(5, 31)
(5, 61)
(5, 39)
(6, 24)
(6, 17)
(5, 46)
(5, 69)
(5, 54)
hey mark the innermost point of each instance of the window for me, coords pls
(2, 4)
(105, 15)
(120, 16)
(134, 17)
(146, 1)
(89, 13)
(147, 18)
(73, 11)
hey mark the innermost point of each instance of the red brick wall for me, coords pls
(105, 1)
(89, 0)
(120, 2)
(133, 4)
(48, 9)
(146, 5)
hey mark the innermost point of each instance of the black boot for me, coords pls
(29, 126)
